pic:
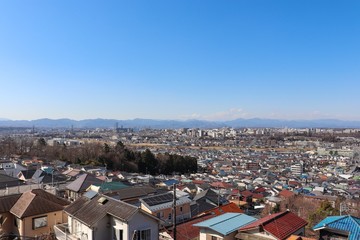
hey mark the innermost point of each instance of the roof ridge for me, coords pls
(277, 215)
(233, 216)
(338, 219)
(353, 219)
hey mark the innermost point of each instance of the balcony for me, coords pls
(62, 232)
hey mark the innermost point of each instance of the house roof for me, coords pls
(230, 207)
(186, 231)
(280, 225)
(83, 182)
(8, 181)
(6, 202)
(226, 223)
(286, 193)
(111, 186)
(246, 193)
(29, 173)
(347, 223)
(90, 211)
(220, 185)
(170, 182)
(211, 196)
(132, 192)
(163, 201)
(35, 202)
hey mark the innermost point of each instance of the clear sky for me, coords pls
(184, 59)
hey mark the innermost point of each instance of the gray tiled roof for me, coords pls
(90, 211)
(83, 182)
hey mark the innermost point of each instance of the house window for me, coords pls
(143, 234)
(39, 222)
(180, 209)
(215, 238)
(118, 234)
(169, 217)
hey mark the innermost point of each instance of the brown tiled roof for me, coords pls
(7, 202)
(37, 202)
(90, 211)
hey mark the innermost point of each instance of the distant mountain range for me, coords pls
(151, 123)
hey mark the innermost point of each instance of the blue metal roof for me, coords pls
(345, 223)
(170, 182)
(226, 223)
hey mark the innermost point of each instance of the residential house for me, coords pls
(32, 213)
(6, 218)
(7, 181)
(96, 217)
(186, 230)
(132, 194)
(339, 227)
(223, 227)
(161, 206)
(206, 200)
(76, 188)
(275, 226)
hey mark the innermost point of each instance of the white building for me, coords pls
(98, 217)
(296, 169)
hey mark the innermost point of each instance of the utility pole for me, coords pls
(174, 211)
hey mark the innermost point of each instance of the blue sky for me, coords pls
(214, 60)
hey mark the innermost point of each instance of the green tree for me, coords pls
(325, 210)
(150, 161)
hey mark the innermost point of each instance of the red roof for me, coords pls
(246, 193)
(257, 196)
(220, 185)
(230, 207)
(280, 225)
(235, 192)
(260, 190)
(186, 231)
(286, 193)
(294, 183)
(198, 182)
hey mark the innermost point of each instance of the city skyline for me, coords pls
(180, 60)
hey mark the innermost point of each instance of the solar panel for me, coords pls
(159, 199)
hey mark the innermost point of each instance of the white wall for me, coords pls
(142, 222)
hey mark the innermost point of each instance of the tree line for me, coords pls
(117, 157)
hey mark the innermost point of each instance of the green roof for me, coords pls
(111, 186)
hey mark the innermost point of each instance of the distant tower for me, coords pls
(33, 129)
(117, 127)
